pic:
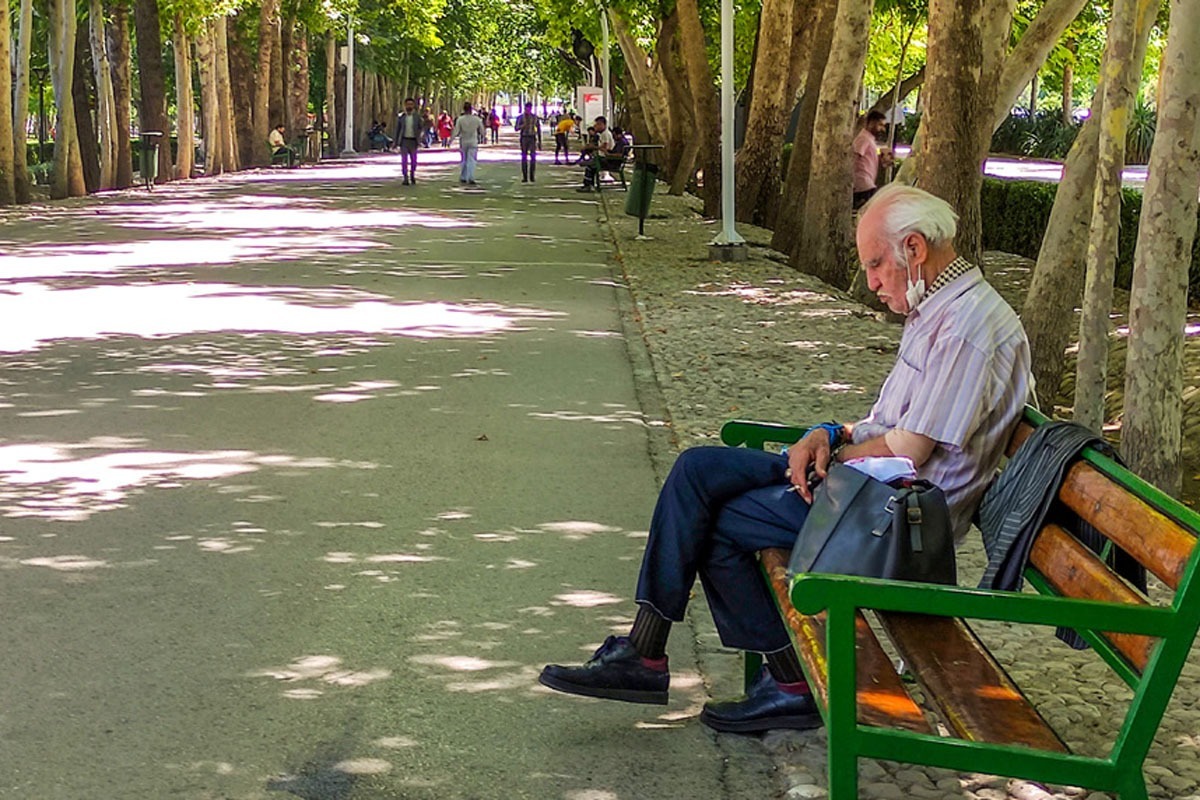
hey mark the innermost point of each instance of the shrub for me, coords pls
(1015, 214)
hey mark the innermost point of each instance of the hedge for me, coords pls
(1015, 214)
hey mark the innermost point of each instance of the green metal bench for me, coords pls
(993, 728)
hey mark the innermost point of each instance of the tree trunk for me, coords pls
(967, 40)
(1020, 66)
(240, 71)
(106, 111)
(185, 102)
(119, 50)
(707, 130)
(62, 68)
(81, 96)
(646, 77)
(278, 97)
(152, 115)
(1057, 281)
(825, 247)
(268, 21)
(230, 153)
(766, 122)
(22, 190)
(679, 108)
(795, 184)
(1151, 434)
(8, 188)
(1120, 74)
(331, 117)
(1068, 90)
(296, 77)
(209, 120)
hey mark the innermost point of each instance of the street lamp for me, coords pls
(728, 246)
(348, 149)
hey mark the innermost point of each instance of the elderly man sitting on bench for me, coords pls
(608, 152)
(951, 401)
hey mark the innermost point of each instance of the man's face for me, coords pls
(885, 276)
(600, 126)
(529, 108)
(877, 126)
(409, 106)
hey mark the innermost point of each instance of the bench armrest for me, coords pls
(812, 593)
(741, 432)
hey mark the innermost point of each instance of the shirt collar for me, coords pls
(935, 300)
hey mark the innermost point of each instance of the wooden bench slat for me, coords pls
(882, 699)
(971, 690)
(1075, 571)
(1153, 539)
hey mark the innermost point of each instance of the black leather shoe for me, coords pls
(765, 707)
(614, 672)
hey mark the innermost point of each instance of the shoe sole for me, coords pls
(624, 695)
(800, 722)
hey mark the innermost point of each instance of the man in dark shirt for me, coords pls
(529, 129)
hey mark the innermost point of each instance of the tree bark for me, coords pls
(1151, 433)
(106, 111)
(62, 68)
(209, 123)
(679, 113)
(240, 71)
(1057, 281)
(1068, 91)
(1120, 74)
(296, 77)
(649, 91)
(826, 244)
(278, 97)
(152, 115)
(8, 188)
(230, 153)
(268, 21)
(185, 102)
(22, 189)
(707, 130)
(331, 117)
(119, 50)
(81, 96)
(967, 39)
(769, 113)
(795, 184)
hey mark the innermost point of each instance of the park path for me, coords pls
(303, 476)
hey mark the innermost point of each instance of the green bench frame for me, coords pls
(841, 598)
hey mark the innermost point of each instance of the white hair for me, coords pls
(907, 209)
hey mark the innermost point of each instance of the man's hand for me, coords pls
(811, 451)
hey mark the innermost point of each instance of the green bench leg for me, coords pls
(842, 714)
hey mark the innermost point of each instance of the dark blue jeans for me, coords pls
(717, 508)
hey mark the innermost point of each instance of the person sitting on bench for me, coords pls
(594, 152)
(950, 403)
(379, 138)
(279, 149)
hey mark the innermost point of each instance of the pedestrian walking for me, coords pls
(469, 130)
(409, 127)
(529, 129)
(494, 125)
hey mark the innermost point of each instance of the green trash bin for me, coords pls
(148, 165)
(641, 192)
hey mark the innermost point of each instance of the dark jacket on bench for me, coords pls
(1018, 503)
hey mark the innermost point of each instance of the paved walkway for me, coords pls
(303, 476)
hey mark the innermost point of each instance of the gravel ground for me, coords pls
(759, 340)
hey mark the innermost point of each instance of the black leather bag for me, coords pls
(858, 525)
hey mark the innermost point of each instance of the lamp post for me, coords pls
(348, 149)
(728, 246)
(604, 59)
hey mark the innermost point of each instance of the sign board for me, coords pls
(589, 103)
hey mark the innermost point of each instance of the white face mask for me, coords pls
(915, 292)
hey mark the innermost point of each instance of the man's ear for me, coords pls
(916, 248)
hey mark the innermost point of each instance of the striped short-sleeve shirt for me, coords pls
(962, 378)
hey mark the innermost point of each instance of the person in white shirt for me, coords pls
(593, 153)
(469, 129)
(279, 146)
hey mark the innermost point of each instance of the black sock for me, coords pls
(785, 666)
(649, 633)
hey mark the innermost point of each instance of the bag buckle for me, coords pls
(914, 515)
(888, 507)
